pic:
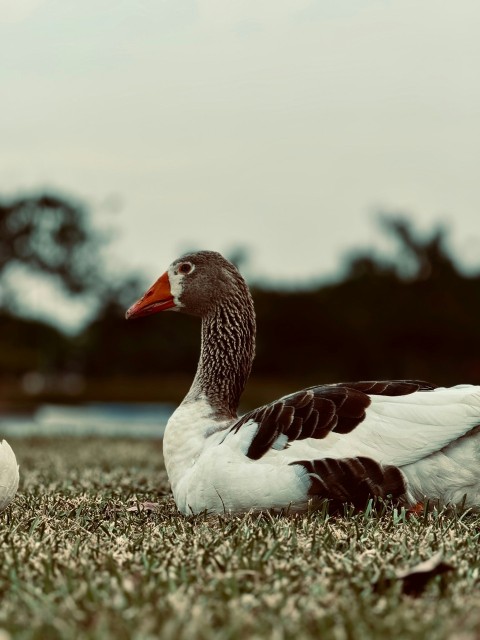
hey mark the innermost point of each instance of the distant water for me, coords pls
(116, 420)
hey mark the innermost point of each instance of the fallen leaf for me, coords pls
(417, 577)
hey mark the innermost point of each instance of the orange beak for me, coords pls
(157, 298)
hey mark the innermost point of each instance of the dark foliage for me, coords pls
(49, 234)
(411, 316)
(29, 345)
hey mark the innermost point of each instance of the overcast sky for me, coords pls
(281, 125)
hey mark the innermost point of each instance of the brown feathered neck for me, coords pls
(227, 351)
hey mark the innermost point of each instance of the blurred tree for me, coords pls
(420, 258)
(410, 314)
(51, 235)
(42, 235)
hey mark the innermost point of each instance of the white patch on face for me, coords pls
(176, 274)
(176, 288)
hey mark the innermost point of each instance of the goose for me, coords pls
(9, 475)
(403, 440)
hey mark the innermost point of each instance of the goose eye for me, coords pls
(185, 267)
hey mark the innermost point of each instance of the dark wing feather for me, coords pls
(389, 387)
(315, 412)
(353, 481)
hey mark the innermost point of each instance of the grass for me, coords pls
(74, 563)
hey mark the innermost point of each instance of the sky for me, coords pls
(282, 126)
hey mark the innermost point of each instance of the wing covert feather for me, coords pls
(318, 411)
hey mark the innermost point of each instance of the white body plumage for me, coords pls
(9, 475)
(424, 434)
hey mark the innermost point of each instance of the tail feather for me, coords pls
(354, 481)
(9, 475)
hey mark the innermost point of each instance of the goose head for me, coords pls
(197, 284)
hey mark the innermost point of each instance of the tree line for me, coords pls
(411, 315)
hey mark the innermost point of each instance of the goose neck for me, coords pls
(226, 356)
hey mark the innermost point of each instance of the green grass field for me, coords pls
(75, 563)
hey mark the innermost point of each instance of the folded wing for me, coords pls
(394, 423)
